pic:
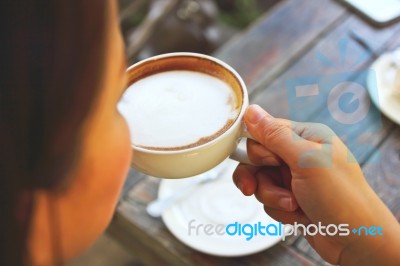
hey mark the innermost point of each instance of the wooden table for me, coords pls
(292, 40)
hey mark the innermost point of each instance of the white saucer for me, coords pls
(382, 96)
(216, 202)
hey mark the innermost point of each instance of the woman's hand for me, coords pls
(305, 174)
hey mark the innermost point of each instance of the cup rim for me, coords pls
(239, 118)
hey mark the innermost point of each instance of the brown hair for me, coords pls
(51, 60)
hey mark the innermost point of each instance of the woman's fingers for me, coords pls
(244, 178)
(286, 176)
(287, 217)
(259, 155)
(271, 185)
(271, 193)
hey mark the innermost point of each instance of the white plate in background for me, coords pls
(380, 84)
(216, 202)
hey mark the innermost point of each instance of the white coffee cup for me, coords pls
(192, 161)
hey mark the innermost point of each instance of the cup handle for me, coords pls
(240, 154)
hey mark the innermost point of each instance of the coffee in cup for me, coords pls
(178, 109)
(184, 111)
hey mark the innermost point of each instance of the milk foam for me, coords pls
(177, 109)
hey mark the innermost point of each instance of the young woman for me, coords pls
(65, 149)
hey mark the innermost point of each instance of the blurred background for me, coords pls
(153, 27)
(161, 26)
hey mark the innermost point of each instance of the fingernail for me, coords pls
(285, 203)
(254, 114)
(240, 186)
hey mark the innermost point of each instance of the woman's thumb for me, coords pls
(275, 134)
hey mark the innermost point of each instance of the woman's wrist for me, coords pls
(374, 249)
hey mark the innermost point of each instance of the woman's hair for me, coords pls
(51, 64)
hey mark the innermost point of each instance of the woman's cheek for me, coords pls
(126, 149)
(121, 153)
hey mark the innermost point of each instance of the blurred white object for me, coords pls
(215, 205)
(384, 85)
(395, 87)
(157, 207)
(379, 11)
